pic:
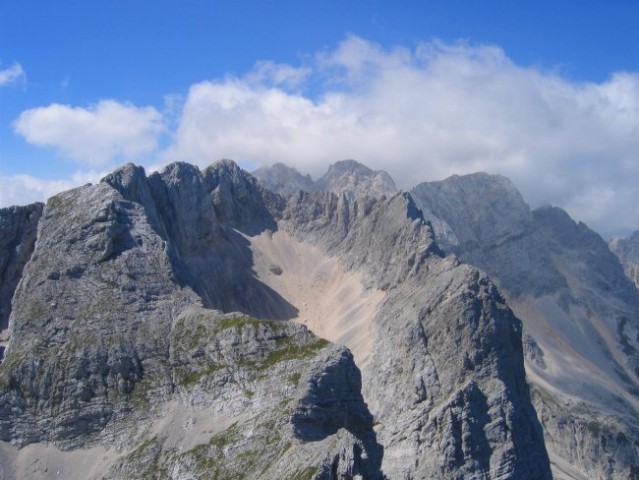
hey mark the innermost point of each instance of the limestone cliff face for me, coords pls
(445, 380)
(18, 227)
(578, 310)
(111, 344)
(140, 325)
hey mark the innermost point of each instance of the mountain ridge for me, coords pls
(158, 264)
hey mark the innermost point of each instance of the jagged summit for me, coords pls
(175, 325)
(187, 318)
(578, 309)
(353, 179)
(346, 177)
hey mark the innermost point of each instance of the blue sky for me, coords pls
(544, 92)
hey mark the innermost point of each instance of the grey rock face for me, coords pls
(627, 249)
(201, 216)
(108, 342)
(118, 338)
(446, 379)
(484, 220)
(88, 303)
(578, 309)
(18, 227)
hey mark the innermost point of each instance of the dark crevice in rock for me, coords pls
(18, 232)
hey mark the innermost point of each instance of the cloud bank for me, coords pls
(93, 136)
(420, 113)
(23, 189)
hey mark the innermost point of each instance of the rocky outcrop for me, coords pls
(140, 324)
(578, 309)
(18, 227)
(627, 249)
(446, 379)
(201, 216)
(111, 343)
(484, 220)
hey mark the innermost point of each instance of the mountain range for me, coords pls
(197, 324)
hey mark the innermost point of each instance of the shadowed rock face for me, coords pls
(200, 216)
(125, 332)
(18, 229)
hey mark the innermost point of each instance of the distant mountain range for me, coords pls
(220, 324)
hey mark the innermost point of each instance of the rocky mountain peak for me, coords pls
(627, 250)
(346, 177)
(349, 165)
(555, 273)
(352, 179)
(170, 316)
(284, 180)
(481, 209)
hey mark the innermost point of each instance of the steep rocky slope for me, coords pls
(152, 325)
(627, 249)
(18, 227)
(579, 311)
(111, 348)
(445, 378)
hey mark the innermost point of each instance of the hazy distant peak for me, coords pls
(345, 177)
(627, 250)
(353, 179)
(283, 179)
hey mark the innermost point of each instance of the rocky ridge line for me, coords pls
(109, 339)
(578, 309)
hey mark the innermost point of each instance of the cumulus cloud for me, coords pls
(93, 136)
(23, 189)
(427, 113)
(277, 74)
(12, 74)
(420, 113)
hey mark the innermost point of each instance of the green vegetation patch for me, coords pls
(293, 351)
(194, 376)
(306, 474)
(294, 378)
(147, 460)
(232, 322)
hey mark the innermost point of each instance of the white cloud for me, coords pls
(23, 189)
(96, 135)
(427, 113)
(277, 74)
(421, 114)
(12, 74)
